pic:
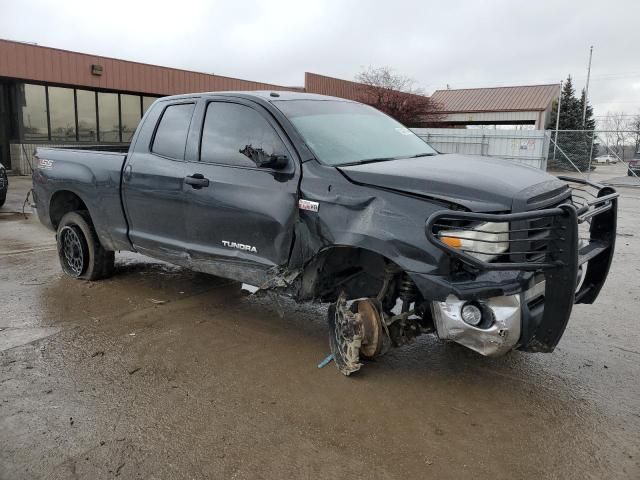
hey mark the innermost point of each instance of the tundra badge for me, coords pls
(239, 246)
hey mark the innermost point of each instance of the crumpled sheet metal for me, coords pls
(499, 338)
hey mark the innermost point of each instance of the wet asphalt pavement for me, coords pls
(161, 373)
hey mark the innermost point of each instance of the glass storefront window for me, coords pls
(147, 102)
(62, 114)
(108, 118)
(33, 104)
(52, 113)
(130, 115)
(87, 131)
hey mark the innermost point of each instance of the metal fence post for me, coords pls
(590, 150)
(557, 122)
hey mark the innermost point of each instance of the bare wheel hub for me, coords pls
(372, 333)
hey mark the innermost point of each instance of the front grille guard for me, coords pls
(557, 242)
(544, 323)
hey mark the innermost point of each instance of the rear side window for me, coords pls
(171, 135)
(229, 128)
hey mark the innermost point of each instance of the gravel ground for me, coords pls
(161, 373)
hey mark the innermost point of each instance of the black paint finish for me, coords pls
(243, 222)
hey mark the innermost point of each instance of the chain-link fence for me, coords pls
(527, 147)
(609, 156)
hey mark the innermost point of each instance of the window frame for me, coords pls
(266, 115)
(189, 101)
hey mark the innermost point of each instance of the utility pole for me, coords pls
(555, 143)
(584, 110)
(586, 89)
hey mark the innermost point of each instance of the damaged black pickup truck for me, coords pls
(325, 199)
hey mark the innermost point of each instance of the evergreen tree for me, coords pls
(590, 122)
(574, 144)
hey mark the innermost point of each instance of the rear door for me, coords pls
(240, 219)
(153, 179)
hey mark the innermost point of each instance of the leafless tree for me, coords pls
(616, 133)
(634, 126)
(397, 96)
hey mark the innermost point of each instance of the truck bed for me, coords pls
(96, 176)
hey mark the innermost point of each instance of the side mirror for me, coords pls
(263, 159)
(277, 162)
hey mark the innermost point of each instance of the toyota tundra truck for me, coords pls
(329, 200)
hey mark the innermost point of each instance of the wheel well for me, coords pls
(62, 203)
(358, 272)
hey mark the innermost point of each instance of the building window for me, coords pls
(87, 126)
(129, 115)
(33, 109)
(147, 102)
(62, 114)
(108, 117)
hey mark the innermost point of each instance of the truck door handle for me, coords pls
(197, 181)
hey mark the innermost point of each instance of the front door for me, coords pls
(240, 218)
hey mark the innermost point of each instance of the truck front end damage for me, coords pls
(505, 281)
(552, 258)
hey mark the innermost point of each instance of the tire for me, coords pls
(79, 250)
(3, 197)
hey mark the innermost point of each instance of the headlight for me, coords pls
(484, 241)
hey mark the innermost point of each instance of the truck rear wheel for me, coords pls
(79, 250)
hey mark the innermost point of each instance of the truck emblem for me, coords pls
(239, 246)
(308, 205)
(45, 164)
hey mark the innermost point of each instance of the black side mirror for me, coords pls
(263, 159)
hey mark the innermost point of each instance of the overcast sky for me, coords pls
(461, 43)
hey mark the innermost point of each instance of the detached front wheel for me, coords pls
(79, 250)
(356, 332)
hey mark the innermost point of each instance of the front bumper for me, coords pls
(530, 300)
(503, 326)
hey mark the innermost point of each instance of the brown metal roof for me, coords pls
(505, 99)
(334, 87)
(51, 65)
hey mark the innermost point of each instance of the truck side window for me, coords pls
(229, 128)
(171, 136)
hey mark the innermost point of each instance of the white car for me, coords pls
(606, 159)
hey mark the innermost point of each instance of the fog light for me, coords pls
(471, 314)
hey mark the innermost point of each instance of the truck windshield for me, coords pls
(344, 133)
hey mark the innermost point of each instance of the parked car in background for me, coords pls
(324, 199)
(4, 184)
(633, 167)
(606, 159)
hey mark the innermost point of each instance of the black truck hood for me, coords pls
(481, 184)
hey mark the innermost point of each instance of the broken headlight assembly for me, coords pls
(485, 241)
